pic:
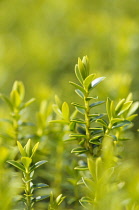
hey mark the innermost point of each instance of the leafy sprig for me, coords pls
(26, 165)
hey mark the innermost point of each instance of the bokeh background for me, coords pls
(40, 42)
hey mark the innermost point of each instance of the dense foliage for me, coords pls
(87, 150)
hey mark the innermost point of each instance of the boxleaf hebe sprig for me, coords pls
(119, 117)
(88, 83)
(16, 104)
(27, 166)
(97, 142)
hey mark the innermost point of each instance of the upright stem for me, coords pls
(87, 119)
(28, 191)
(16, 118)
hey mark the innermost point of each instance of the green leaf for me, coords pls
(77, 135)
(16, 164)
(71, 139)
(15, 98)
(72, 126)
(119, 105)
(5, 98)
(57, 110)
(95, 131)
(38, 164)
(60, 199)
(129, 97)
(19, 87)
(91, 166)
(81, 130)
(130, 118)
(84, 201)
(133, 108)
(40, 198)
(120, 124)
(85, 61)
(90, 184)
(78, 121)
(96, 103)
(97, 117)
(65, 111)
(26, 161)
(28, 148)
(59, 121)
(96, 140)
(95, 82)
(108, 104)
(78, 74)
(29, 102)
(34, 149)
(82, 69)
(78, 105)
(102, 122)
(81, 168)
(77, 86)
(21, 149)
(79, 93)
(89, 98)
(40, 185)
(58, 101)
(116, 120)
(88, 81)
(79, 150)
(112, 109)
(123, 139)
(81, 110)
(125, 107)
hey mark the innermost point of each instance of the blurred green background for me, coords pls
(41, 40)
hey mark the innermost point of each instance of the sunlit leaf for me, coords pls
(78, 74)
(65, 111)
(95, 82)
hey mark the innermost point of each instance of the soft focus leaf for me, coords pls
(16, 164)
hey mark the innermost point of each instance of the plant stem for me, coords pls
(87, 119)
(28, 191)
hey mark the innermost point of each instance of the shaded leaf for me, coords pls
(38, 164)
(120, 124)
(79, 93)
(79, 150)
(96, 103)
(77, 86)
(40, 198)
(16, 164)
(81, 110)
(40, 185)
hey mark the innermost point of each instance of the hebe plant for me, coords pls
(100, 137)
(27, 166)
(98, 134)
(16, 105)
